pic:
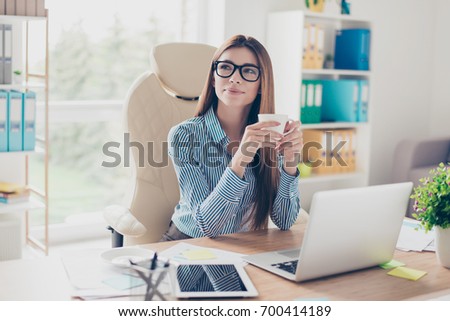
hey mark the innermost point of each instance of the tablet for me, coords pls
(211, 280)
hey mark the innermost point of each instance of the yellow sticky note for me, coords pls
(200, 254)
(407, 273)
(391, 264)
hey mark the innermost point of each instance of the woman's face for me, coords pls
(235, 91)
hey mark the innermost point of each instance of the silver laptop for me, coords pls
(348, 229)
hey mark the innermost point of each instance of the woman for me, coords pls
(234, 171)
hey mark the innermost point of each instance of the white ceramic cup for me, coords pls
(282, 119)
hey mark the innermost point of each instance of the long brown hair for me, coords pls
(264, 164)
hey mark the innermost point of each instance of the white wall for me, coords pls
(403, 40)
(407, 60)
(440, 98)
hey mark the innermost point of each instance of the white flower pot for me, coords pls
(443, 245)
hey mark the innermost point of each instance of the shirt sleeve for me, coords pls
(211, 209)
(287, 201)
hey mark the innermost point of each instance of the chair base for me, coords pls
(116, 238)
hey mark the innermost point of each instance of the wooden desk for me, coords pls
(369, 284)
(45, 278)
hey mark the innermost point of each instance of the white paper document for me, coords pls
(92, 278)
(413, 237)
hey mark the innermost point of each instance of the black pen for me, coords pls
(154, 260)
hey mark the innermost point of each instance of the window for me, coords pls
(97, 49)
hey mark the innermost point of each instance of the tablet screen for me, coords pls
(213, 280)
(209, 278)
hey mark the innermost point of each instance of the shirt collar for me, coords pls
(213, 126)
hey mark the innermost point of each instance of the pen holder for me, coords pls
(155, 285)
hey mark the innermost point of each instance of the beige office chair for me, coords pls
(156, 102)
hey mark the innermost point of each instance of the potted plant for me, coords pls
(17, 76)
(432, 209)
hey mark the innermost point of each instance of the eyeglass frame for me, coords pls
(215, 63)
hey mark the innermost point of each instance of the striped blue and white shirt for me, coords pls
(213, 199)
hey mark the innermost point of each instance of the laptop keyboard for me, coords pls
(289, 266)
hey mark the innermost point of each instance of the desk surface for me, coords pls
(368, 284)
(45, 279)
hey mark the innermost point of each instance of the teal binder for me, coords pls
(4, 130)
(363, 100)
(340, 100)
(29, 120)
(15, 120)
(311, 101)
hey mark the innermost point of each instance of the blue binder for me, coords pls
(340, 100)
(29, 120)
(352, 49)
(15, 120)
(4, 130)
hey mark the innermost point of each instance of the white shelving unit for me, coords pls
(285, 46)
(39, 198)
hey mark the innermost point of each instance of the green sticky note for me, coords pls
(124, 282)
(200, 254)
(407, 273)
(391, 264)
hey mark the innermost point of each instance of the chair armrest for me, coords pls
(122, 221)
(411, 154)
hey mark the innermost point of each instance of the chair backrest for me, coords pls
(157, 101)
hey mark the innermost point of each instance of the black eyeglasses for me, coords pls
(248, 72)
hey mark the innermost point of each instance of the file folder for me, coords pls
(339, 100)
(315, 150)
(29, 120)
(2, 7)
(306, 46)
(2, 54)
(338, 138)
(352, 49)
(303, 93)
(15, 120)
(7, 54)
(311, 101)
(31, 8)
(4, 130)
(316, 110)
(363, 100)
(312, 45)
(10, 7)
(318, 52)
(40, 8)
(21, 8)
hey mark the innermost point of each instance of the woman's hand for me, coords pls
(291, 146)
(255, 136)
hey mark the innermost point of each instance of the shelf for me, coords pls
(10, 18)
(22, 86)
(336, 72)
(331, 177)
(334, 17)
(38, 200)
(22, 206)
(333, 125)
(19, 152)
